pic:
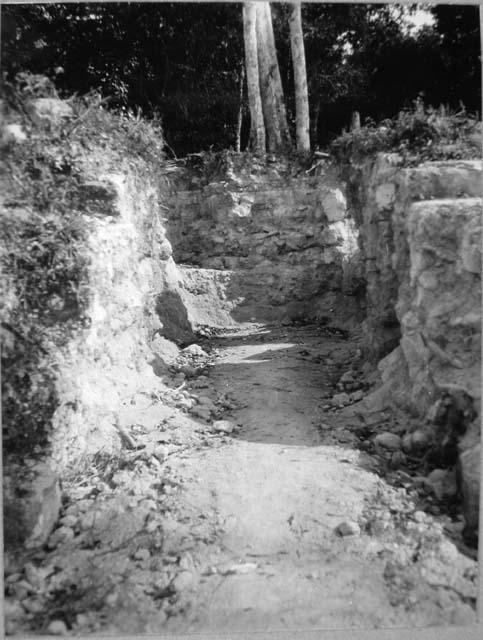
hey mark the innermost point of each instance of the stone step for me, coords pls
(445, 179)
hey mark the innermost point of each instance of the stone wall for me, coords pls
(284, 237)
(420, 230)
(420, 238)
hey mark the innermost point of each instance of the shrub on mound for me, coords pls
(417, 135)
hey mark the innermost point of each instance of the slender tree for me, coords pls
(302, 118)
(267, 88)
(257, 126)
(239, 120)
(270, 80)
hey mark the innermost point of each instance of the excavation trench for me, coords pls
(239, 483)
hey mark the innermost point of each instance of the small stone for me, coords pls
(443, 483)
(419, 440)
(340, 399)
(57, 628)
(347, 377)
(195, 350)
(185, 403)
(348, 528)
(13, 577)
(406, 443)
(111, 598)
(148, 503)
(398, 459)
(32, 606)
(225, 426)
(207, 403)
(60, 536)
(344, 435)
(188, 370)
(183, 581)
(87, 520)
(187, 562)
(142, 554)
(201, 412)
(388, 440)
(357, 396)
(81, 619)
(68, 520)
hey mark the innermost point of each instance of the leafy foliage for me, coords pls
(182, 60)
(417, 134)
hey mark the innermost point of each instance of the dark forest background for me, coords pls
(181, 62)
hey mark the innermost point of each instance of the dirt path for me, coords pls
(284, 523)
(279, 489)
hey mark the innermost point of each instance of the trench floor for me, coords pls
(283, 524)
(279, 490)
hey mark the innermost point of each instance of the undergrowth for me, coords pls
(44, 261)
(419, 134)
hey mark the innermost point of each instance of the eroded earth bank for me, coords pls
(227, 453)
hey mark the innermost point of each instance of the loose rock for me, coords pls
(57, 628)
(183, 581)
(348, 528)
(60, 536)
(388, 440)
(195, 350)
(225, 426)
(142, 554)
(340, 399)
(443, 483)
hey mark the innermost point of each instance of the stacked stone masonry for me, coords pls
(285, 241)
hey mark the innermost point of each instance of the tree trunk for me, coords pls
(241, 80)
(314, 133)
(271, 83)
(355, 121)
(300, 79)
(257, 127)
(270, 114)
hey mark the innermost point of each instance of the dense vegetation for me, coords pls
(418, 134)
(183, 61)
